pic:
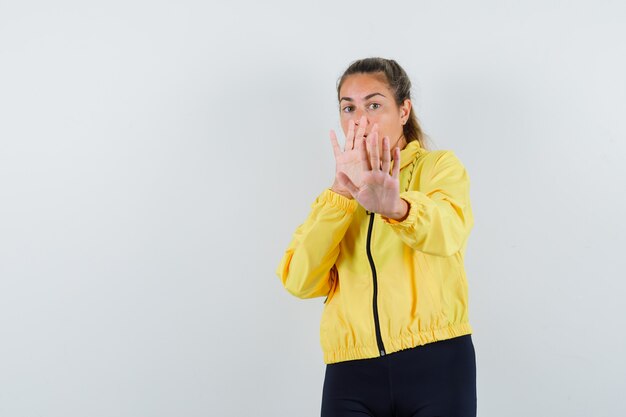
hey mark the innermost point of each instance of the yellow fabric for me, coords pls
(422, 289)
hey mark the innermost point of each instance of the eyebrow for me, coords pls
(367, 97)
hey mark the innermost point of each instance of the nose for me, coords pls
(357, 118)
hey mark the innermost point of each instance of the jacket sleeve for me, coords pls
(305, 267)
(440, 215)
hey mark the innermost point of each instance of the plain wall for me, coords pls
(156, 157)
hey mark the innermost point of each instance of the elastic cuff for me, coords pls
(338, 200)
(410, 218)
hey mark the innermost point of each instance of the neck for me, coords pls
(400, 142)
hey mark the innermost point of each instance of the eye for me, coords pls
(347, 109)
(375, 104)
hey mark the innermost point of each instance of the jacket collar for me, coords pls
(410, 151)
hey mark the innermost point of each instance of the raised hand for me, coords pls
(348, 161)
(379, 191)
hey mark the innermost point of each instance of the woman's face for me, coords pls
(369, 95)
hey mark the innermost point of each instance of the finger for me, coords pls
(375, 127)
(386, 155)
(374, 130)
(350, 136)
(365, 163)
(361, 130)
(347, 183)
(335, 143)
(373, 151)
(361, 143)
(396, 162)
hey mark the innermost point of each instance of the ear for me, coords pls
(405, 110)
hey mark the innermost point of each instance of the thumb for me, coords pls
(347, 183)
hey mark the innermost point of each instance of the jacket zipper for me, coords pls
(379, 339)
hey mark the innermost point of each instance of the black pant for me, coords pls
(434, 380)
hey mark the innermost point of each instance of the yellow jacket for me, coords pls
(388, 285)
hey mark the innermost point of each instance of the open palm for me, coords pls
(379, 191)
(378, 187)
(348, 161)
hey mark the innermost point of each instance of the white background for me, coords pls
(156, 156)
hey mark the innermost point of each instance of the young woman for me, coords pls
(385, 245)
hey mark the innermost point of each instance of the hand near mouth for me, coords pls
(348, 161)
(379, 191)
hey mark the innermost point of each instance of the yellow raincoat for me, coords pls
(388, 285)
